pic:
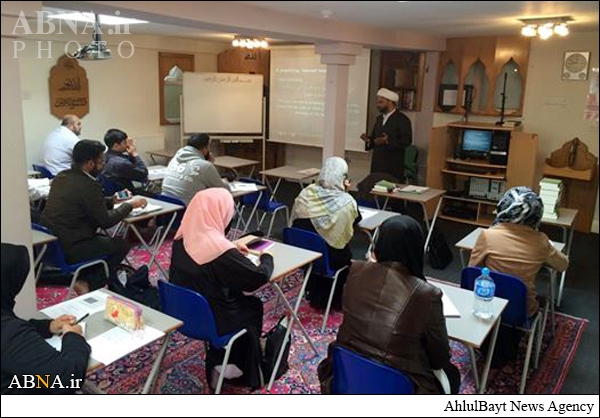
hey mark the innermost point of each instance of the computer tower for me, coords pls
(499, 148)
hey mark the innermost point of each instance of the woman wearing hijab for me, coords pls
(205, 261)
(514, 246)
(392, 315)
(24, 351)
(327, 209)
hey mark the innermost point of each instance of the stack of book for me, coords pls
(551, 195)
(384, 186)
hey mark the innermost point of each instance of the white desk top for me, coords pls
(566, 218)
(288, 172)
(157, 172)
(241, 193)
(287, 258)
(96, 325)
(233, 163)
(425, 197)
(468, 242)
(166, 209)
(40, 238)
(373, 222)
(468, 329)
(166, 153)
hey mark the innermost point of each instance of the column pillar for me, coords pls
(338, 57)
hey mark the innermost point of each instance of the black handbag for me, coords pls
(440, 255)
(275, 337)
(137, 287)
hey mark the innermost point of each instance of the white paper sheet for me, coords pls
(450, 310)
(89, 303)
(141, 211)
(111, 345)
(238, 186)
(367, 213)
(413, 189)
(254, 258)
(56, 340)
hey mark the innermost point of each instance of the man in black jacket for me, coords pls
(390, 136)
(76, 208)
(123, 164)
(24, 352)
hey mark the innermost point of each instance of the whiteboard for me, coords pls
(222, 103)
(297, 97)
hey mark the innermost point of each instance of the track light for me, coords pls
(546, 27)
(249, 43)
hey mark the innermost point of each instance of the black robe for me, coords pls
(222, 282)
(389, 158)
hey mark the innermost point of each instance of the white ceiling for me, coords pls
(446, 18)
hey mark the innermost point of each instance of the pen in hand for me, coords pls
(82, 318)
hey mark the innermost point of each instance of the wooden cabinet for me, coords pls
(403, 72)
(475, 67)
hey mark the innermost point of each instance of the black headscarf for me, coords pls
(15, 267)
(401, 239)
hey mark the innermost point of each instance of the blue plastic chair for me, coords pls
(516, 314)
(314, 242)
(164, 220)
(198, 319)
(110, 187)
(357, 375)
(44, 172)
(55, 257)
(267, 205)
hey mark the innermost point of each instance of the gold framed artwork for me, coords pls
(576, 65)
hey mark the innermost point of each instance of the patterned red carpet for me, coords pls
(183, 368)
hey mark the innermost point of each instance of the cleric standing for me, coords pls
(390, 136)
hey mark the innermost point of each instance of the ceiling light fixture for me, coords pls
(249, 43)
(544, 28)
(90, 18)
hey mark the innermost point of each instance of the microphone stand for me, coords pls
(502, 108)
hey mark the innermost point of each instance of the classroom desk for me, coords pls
(470, 330)
(234, 163)
(157, 172)
(33, 174)
(240, 210)
(288, 259)
(370, 225)
(162, 153)
(96, 325)
(565, 221)
(468, 243)
(423, 199)
(42, 239)
(288, 172)
(160, 236)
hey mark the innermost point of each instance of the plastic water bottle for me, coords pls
(484, 294)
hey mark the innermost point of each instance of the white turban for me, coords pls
(388, 94)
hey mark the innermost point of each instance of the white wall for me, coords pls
(124, 93)
(554, 124)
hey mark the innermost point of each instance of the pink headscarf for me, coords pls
(203, 225)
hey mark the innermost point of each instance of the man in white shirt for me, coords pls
(58, 146)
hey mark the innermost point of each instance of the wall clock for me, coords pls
(576, 65)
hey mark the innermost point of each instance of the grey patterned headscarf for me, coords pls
(520, 205)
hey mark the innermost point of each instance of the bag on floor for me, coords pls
(275, 337)
(438, 251)
(135, 285)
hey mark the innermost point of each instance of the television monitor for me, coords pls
(476, 143)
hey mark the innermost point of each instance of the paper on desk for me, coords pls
(111, 345)
(254, 258)
(141, 211)
(367, 213)
(238, 186)
(450, 310)
(56, 340)
(413, 189)
(85, 304)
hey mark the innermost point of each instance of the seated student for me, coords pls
(327, 208)
(191, 170)
(206, 261)
(24, 351)
(392, 315)
(58, 146)
(514, 246)
(76, 208)
(123, 164)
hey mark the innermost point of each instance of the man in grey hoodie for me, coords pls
(192, 170)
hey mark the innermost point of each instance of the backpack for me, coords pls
(274, 341)
(137, 286)
(440, 255)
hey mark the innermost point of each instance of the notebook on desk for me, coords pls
(238, 186)
(141, 211)
(450, 310)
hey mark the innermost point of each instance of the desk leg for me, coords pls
(371, 242)
(563, 276)
(254, 208)
(552, 299)
(92, 389)
(294, 313)
(474, 367)
(385, 203)
(38, 260)
(274, 191)
(430, 228)
(488, 360)
(160, 242)
(149, 386)
(463, 261)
